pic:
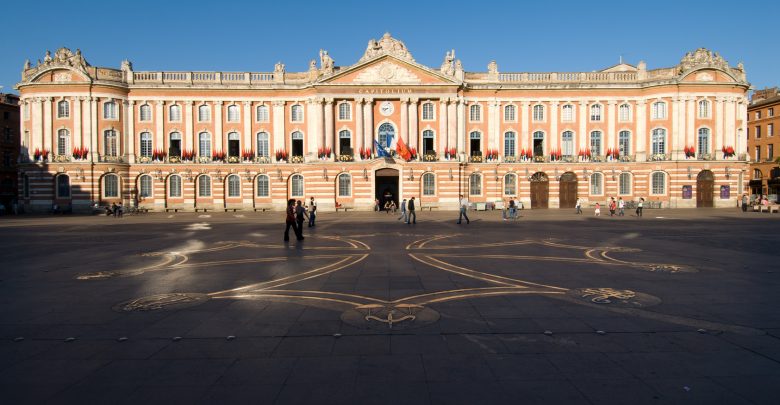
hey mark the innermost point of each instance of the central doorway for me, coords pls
(568, 190)
(540, 190)
(705, 184)
(386, 186)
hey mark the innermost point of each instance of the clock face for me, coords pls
(386, 108)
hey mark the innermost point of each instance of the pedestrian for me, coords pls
(115, 209)
(376, 205)
(312, 212)
(121, 210)
(512, 210)
(598, 210)
(578, 205)
(393, 207)
(410, 212)
(290, 221)
(621, 207)
(404, 217)
(464, 205)
(744, 202)
(612, 207)
(639, 207)
(300, 214)
(387, 207)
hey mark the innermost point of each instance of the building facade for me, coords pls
(249, 141)
(9, 150)
(763, 121)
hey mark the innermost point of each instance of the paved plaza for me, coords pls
(680, 306)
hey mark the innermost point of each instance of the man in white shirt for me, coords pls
(621, 207)
(312, 212)
(464, 205)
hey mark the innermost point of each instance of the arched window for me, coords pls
(510, 143)
(145, 186)
(538, 140)
(386, 134)
(704, 142)
(146, 144)
(174, 186)
(296, 183)
(427, 112)
(111, 186)
(234, 144)
(659, 110)
(204, 113)
(145, 112)
(233, 113)
(757, 174)
(428, 142)
(658, 140)
(595, 112)
(63, 138)
(658, 183)
(510, 184)
(624, 113)
(109, 110)
(596, 182)
(204, 144)
(475, 143)
(345, 185)
(429, 184)
(510, 113)
(475, 184)
(567, 113)
(567, 143)
(538, 113)
(624, 143)
(63, 109)
(345, 142)
(204, 186)
(345, 112)
(174, 143)
(296, 113)
(234, 186)
(63, 186)
(704, 109)
(263, 146)
(475, 112)
(174, 113)
(110, 142)
(296, 138)
(625, 184)
(262, 113)
(595, 143)
(263, 186)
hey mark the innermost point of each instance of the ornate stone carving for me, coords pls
(386, 46)
(62, 57)
(127, 66)
(279, 67)
(387, 72)
(702, 57)
(326, 62)
(448, 66)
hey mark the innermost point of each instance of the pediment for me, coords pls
(388, 70)
(60, 75)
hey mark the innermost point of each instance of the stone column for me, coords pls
(676, 133)
(582, 118)
(640, 135)
(159, 120)
(130, 132)
(314, 129)
(611, 121)
(414, 116)
(368, 122)
(329, 140)
(77, 121)
(741, 114)
(189, 142)
(247, 118)
(717, 138)
(358, 127)
(219, 145)
(442, 126)
(690, 131)
(278, 134)
(452, 123)
(403, 130)
(730, 135)
(554, 135)
(47, 128)
(94, 145)
(525, 136)
(461, 130)
(37, 125)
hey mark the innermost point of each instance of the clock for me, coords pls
(386, 108)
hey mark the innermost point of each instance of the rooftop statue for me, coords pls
(386, 46)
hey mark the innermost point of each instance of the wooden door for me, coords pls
(705, 185)
(540, 191)
(568, 190)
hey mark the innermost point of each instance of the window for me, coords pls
(204, 186)
(109, 141)
(297, 186)
(386, 134)
(429, 184)
(475, 184)
(145, 113)
(624, 113)
(475, 112)
(345, 112)
(63, 109)
(595, 143)
(770, 151)
(296, 113)
(296, 139)
(174, 144)
(538, 113)
(262, 113)
(263, 146)
(427, 112)
(475, 143)
(204, 144)
(174, 113)
(758, 131)
(510, 113)
(233, 113)
(345, 185)
(624, 188)
(510, 143)
(510, 184)
(538, 140)
(596, 181)
(659, 110)
(624, 143)
(758, 115)
(704, 141)
(704, 109)
(263, 188)
(567, 143)
(204, 113)
(111, 186)
(63, 186)
(145, 186)
(345, 142)
(658, 140)
(595, 112)
(109, 110)
(757, 173)
(234, 186)
(770, 112)
(234, 144)
(62, 142)
(26, 111)
(758, 154)
(658, 180)
(146, 144)
(174, 186)
(427, 145)
(770, 129)
(567, 113)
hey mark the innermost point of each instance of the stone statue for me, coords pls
(47, 57)
(127, 66)
(447, 66)
(26, 64)
(326, 62)
(387, 45)
(313, 65)
(492, 67)
(279, 67)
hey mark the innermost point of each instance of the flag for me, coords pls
(402, 150)
(380, 151)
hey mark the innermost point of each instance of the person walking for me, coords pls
(300, 214)
(290, 221)
(578, 205)
(639, 207)
(597, 212)
(512, 210)
(464, 205)
(410, 212)
(744, 202)
(312, 212)
(612, 207)
(621, 207)
(404, 217)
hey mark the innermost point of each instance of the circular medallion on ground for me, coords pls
(162, 301)
(390, 316)
(611, 296)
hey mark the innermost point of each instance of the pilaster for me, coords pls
(554, 135)
(717, 139)
(329, 130)
(159, 121)
(368, 123)
(218, 142)
(525, 136)
(358, 127)
(461, 135)
(611, 122)
(94, 145)
(37, 125)
(247, 118)
(690, 130)
(47, 125)
(278, 135)
(77, 121)
(452, 124)
(129, 135)
(404, 127)
(442, 138)
(641, 136)
(414, 116)
(582, 134)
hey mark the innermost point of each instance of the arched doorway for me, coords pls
(568, 190)
(386, 186)
(705, 184)
(540, 190)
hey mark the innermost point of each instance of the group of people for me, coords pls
(115, 209)
(762, 200)
(408, 214)
(296, 213)
(615, 207)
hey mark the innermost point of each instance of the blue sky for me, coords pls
(252, 35)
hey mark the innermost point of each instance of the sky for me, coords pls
(538, 36)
